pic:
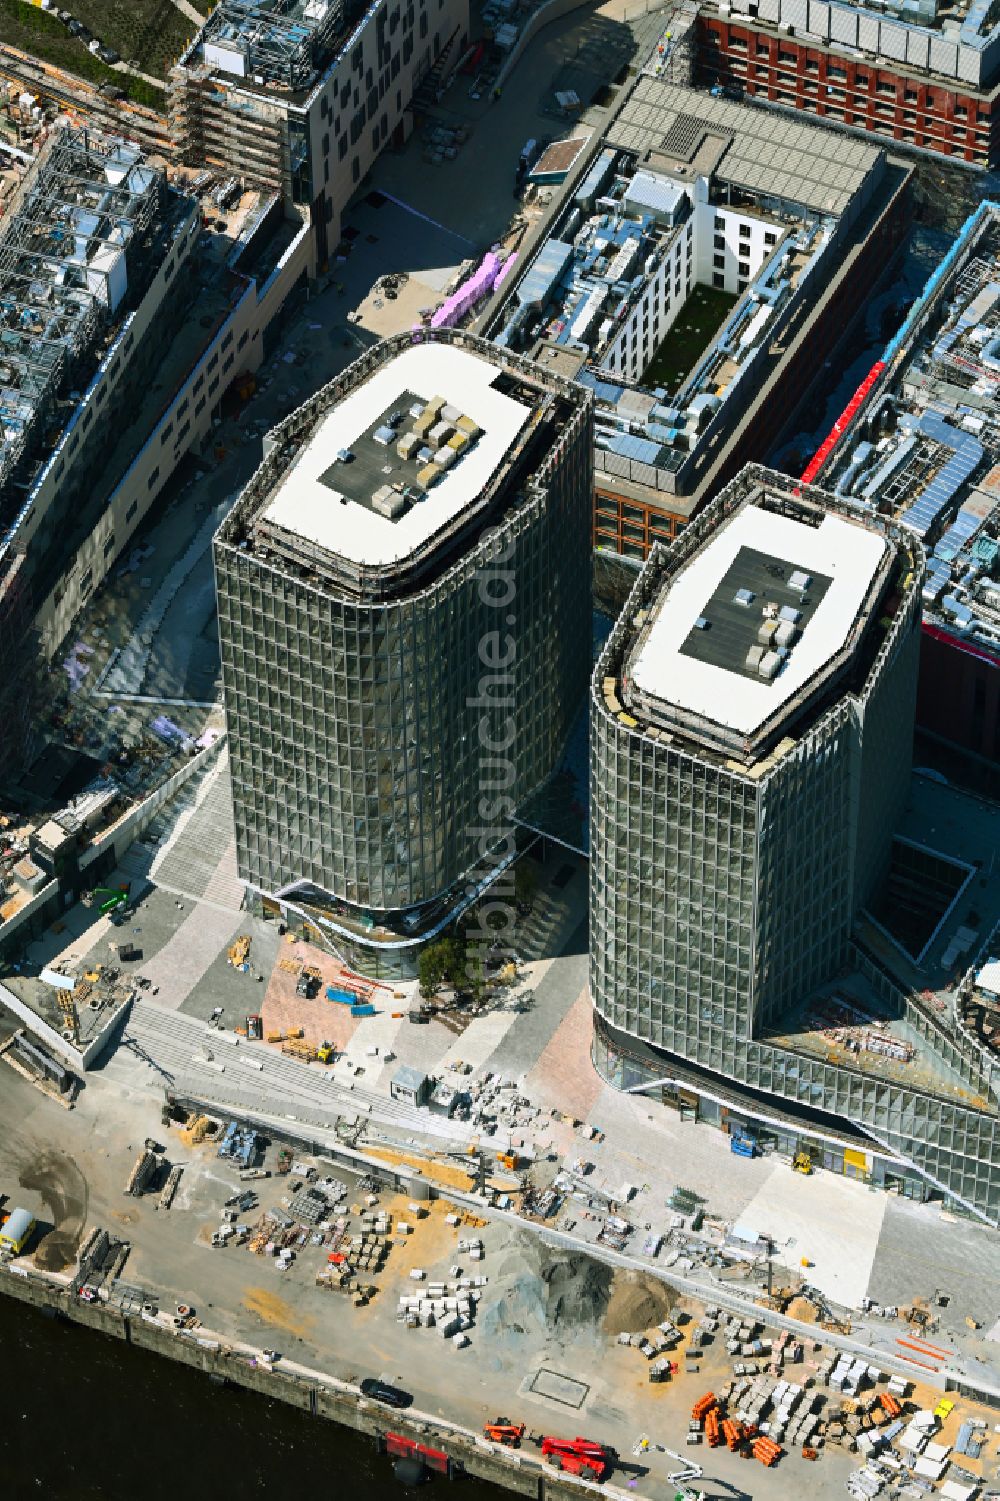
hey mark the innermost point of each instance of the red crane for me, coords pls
(577, 1456)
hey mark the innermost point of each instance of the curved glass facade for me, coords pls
(722, 893)
(378, 747)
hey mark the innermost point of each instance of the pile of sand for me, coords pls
(637, 1302)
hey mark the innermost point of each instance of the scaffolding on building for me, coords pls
(64, 255)
(226, 132)
(277, 43)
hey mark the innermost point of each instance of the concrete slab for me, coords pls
(480, 1039)
(833, 1223)
(924, 1252)
(181, 965)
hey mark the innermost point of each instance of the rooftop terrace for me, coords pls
(846, 1023)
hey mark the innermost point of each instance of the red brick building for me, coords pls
(875, 95)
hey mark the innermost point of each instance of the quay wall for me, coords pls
(320, 1396)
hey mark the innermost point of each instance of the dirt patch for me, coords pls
(63, 1189)
(275, 1311)
(803, 1310)
(445, 1173)
(637, 1302)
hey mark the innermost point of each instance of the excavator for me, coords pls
(503, 1431)
(577, 1456)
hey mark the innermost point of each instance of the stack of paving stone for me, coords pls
(368, 1251)
(781, 1409)
(450, 1307)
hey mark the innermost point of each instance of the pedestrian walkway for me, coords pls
(187, 9)
(198, 860)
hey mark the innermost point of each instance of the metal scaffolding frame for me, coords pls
(280, 41)
(84, 195)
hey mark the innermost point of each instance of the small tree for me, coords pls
(474, 981)
(430, 969)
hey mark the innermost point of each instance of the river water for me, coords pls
(86, 1418)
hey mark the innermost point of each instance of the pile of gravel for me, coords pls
(535, 1289)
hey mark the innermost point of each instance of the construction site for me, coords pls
(386, 1268)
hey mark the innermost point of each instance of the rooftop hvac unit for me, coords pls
(768, 666)
(767, 633)
(754, 657)
(785, 633)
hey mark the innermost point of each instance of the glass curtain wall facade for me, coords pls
(722, 894)
(361, 775)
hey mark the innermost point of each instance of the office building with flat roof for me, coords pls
(123, 327)
(920, 442)
(404, 598)
(691, 200)
(752, 718)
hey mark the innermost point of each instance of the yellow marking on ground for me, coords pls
(274, 1310)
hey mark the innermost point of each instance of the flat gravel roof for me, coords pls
(766, 153)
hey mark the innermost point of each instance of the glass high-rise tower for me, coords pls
(404, 614)
(752, 720)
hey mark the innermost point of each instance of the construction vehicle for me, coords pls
(503, 1431)
(109, 898)
(742, 1143)
(577, 1456)
(239, 951)
(254, 1028)
(325, 1052)
(510, 1160)
(802, 1163)
(679, 1478)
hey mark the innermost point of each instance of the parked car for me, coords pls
(111, 90)
(381, 1391)
(108, 55)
